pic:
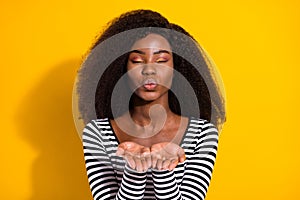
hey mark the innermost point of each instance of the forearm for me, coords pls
(194, 175)
(101, 173)
(165, 185)
(104, 184)
(193, 185)
(200, 164)
(133, 184)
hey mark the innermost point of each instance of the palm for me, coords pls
(137, 156)
(166, 155)
(130, 148)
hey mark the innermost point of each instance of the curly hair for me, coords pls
(210, 99)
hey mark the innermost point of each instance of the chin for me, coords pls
(148, 96)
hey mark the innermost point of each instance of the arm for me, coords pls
(197, 172)
(100, 172)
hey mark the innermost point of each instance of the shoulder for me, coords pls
(202, 128)
(206, 138)
(202, 125)
(98, 123)
(96, 126)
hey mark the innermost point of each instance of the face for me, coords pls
(150, 67)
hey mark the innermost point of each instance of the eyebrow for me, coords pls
(161, 51)
(137, 51)
(143, 53)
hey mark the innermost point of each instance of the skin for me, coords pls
(151, 61)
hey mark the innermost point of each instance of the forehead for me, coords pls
(152, 41)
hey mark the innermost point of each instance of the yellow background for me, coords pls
(255, 45)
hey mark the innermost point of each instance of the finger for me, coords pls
(130, 161)
(153, 160)
(138, 163)
(181, 155)
(145, 151)
(120, 151)
(147, 159)
(173, 164)
(144, 164)
(123, 145)
(147, 156)
(165, 164)
(159, 164)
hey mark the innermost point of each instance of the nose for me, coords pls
(148, 69)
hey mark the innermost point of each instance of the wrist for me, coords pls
(133, 171)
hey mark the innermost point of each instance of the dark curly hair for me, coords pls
(210, 99)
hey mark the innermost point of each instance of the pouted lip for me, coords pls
(150, 84)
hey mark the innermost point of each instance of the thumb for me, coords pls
(122, 148)
(181, 155)
(126, 145)
(120, 151)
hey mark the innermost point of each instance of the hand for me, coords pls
(137, 156)
(166, 155)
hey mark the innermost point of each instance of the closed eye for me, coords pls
(162, 60)
(136, 61)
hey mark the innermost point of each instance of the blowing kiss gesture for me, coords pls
(160, 156)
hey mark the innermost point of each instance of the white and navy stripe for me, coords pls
(110, 178)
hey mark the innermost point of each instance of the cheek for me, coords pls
(128, 67)
(133, 79)
(168, 78)
(166, 75)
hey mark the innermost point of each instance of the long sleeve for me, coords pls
(101, 173)
(197, 169)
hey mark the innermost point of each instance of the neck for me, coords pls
(147, 118)
(145, 113)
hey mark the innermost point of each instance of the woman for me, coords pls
(160, 147)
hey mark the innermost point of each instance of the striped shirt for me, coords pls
(111, 178)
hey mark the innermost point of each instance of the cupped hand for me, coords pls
(137, 156)
(166, 155)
